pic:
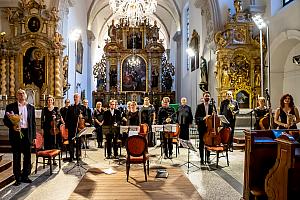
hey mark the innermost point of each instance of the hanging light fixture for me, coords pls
(134, 11)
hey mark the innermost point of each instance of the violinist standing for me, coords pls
(147, 115)
(112, 118)
(259, 112)
(74, 112)
(49, 118)
(229, 108)
(184, 119)
(98, 121)
(203, 111)
(287, 115)
(88, 121)
(166, 115)
(63, 111)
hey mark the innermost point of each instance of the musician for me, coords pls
(229, 108)
(49, 119)
(184, 119)
(88, 121)
(147, 116)
(133, 118)
(166, 115)
(63, 111)
(98, 121)
(112, 118)
(21, 144)
(260, 112)
(287, 115)
(75, 111)
(203, 111)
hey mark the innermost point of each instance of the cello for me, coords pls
(212, 136)
(266, 122)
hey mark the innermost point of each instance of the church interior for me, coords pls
(135, 50)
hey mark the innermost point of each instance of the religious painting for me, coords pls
(134, 74)
(134, 40)
(34, 24)
(79, 56)
(34, 67)
(242, 97)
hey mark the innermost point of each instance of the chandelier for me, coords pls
(134, 11)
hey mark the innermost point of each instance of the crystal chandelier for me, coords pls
(134, 11)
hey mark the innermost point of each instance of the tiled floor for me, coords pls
(226, 182)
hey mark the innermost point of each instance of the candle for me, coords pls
(6, 97)
(44, 97)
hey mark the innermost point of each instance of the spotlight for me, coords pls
(296, 60)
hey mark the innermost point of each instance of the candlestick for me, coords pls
(5, 97)
(44, 97)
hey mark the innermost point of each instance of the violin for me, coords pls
(81, 122)
(212, 136)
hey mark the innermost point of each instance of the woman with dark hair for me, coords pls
(50, 117)
(287, 116)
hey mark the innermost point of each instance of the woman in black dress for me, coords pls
(49, 120)
(133, 115)
(98, 121)
(148, 117)
(287, 115)
(260, 112)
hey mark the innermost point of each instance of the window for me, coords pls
(187, 35)
(285, 2)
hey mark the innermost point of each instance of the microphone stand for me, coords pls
(77, 146)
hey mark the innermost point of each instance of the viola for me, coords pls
(81, 123)
(54, 130)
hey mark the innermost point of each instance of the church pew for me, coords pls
(282, 181)
(260, 156)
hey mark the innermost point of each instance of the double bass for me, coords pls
(212, 136)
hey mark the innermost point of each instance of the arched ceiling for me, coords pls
(167, 15)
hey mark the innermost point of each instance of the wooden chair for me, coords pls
(65, 139)
(136, 147)
(49, 154)
(223, 147)
(175, 139)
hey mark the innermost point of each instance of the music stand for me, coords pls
(84, 132)
(189, 146)
(77, 146)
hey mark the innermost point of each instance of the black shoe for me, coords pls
(17, 183)
(26, 180)
(108, 157)
(71, 160)
(87, 147)
(165, 156)
(208, 161)
(171, 155)
(202, 162)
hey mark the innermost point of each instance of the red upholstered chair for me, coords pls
(65, 139)
(49, 154)
(136, 147)
(224, 146)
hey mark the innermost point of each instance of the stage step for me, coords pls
(6, 171)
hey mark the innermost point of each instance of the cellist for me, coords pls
(203, 111)
(49, 117)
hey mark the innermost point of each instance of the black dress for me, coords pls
(147, 118)
(133, 118)
(283, 118)
(259, 113)
(50, 141)
(98, 114)
(184, 119)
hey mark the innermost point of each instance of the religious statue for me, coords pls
(57, 39)
(257, 78)
(112, 31)
(237, 6)
(204, 75)
(225, 77)
(155, 32)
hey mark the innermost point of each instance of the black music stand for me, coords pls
(77, 146)
(189, 146)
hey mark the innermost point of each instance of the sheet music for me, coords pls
(223, 119)
(126, 129)
(187, 144)
(86, 131)
(164, 128)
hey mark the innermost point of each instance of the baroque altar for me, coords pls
(31, 54)
(134, 65)
(238, 59)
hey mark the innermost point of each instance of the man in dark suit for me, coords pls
(112, 119)
(204, 110)
(74, 112)
(229, 108)
(21, 143)
(166, 115)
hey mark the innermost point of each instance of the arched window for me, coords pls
(285, 2)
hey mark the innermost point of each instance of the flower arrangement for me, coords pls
(15, 120)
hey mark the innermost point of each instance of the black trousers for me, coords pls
(20, 146)
(201, 145)
(99, 135)
(112, 141)
(168, 146)
(184, 132)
